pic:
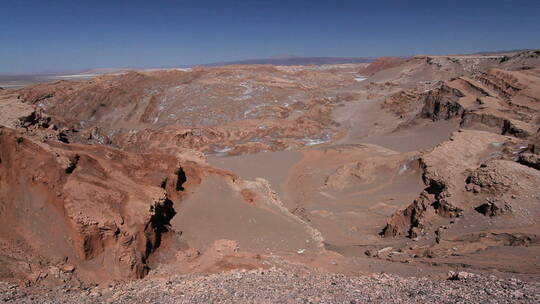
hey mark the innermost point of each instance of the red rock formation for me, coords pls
(88, 203)
(381, 63)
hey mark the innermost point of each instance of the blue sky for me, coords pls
(40, 36)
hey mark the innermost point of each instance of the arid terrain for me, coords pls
(405, 179)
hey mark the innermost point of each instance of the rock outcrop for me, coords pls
(88, 203)
(445, 174)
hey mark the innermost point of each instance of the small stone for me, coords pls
(462, 275)
(517, 294)
(68, 268)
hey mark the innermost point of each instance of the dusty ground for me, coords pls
(278, 286)
(413, 167)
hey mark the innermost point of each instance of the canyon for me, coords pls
(415, 167)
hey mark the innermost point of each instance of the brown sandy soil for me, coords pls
(272, 166)
(337, 188)
(258, 224)
(428, 165)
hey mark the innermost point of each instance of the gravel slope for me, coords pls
(279, 286)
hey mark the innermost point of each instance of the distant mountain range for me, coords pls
(277, 60)
(293, 60)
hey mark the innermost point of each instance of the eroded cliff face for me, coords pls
(499, 101)
(88, 203)
(446, 172)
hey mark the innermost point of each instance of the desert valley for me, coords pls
(402, 179)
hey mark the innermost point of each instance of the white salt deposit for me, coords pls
(360, 78)
(77, 76)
